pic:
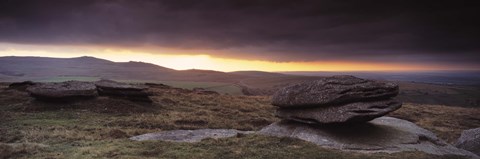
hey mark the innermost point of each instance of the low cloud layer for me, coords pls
(278, 30)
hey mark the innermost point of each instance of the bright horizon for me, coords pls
(187, 59)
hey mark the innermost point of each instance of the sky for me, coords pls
(267, 35)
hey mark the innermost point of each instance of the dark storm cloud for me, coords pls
(270, 29)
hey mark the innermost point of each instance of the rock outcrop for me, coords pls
(64, 91)
(123, 90)
(21, 86)
(73, 90)
(190, 135)
(333, 91)
(336, 100)
(385, 134)
(470, 140)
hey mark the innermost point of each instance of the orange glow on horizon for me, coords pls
(181, 61)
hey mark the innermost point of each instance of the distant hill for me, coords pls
(37, 68)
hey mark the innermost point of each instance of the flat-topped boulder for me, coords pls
(385, 134)
(63, 91)
(348, 113)
(123, 90)
(333, 91)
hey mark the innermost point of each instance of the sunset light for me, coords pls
(185, 59)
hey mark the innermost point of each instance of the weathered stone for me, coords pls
(123, 90)
(64, 91)
(333, 90)
(190, 135)
(470, 140)
(349, 113)
(385, 134)
(21, 86)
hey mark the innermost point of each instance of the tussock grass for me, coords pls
(14, 150)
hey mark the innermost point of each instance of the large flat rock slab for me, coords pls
(332, 91)
(385, 134)
(190, 135)
(358, 112)
(63, 91)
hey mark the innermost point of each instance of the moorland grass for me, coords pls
(100, 128)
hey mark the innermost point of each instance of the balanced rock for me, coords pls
(63, 91)
(333, 90)
(349, 113)
(123, 90)
(336, 100)
(470, 140)
(384, 134)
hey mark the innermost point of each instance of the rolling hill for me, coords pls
(38, 68)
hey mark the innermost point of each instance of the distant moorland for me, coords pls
(454, 88)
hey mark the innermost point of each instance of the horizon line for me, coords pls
(246, 70)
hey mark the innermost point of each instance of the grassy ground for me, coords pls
(100, 128)
(452, 95)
